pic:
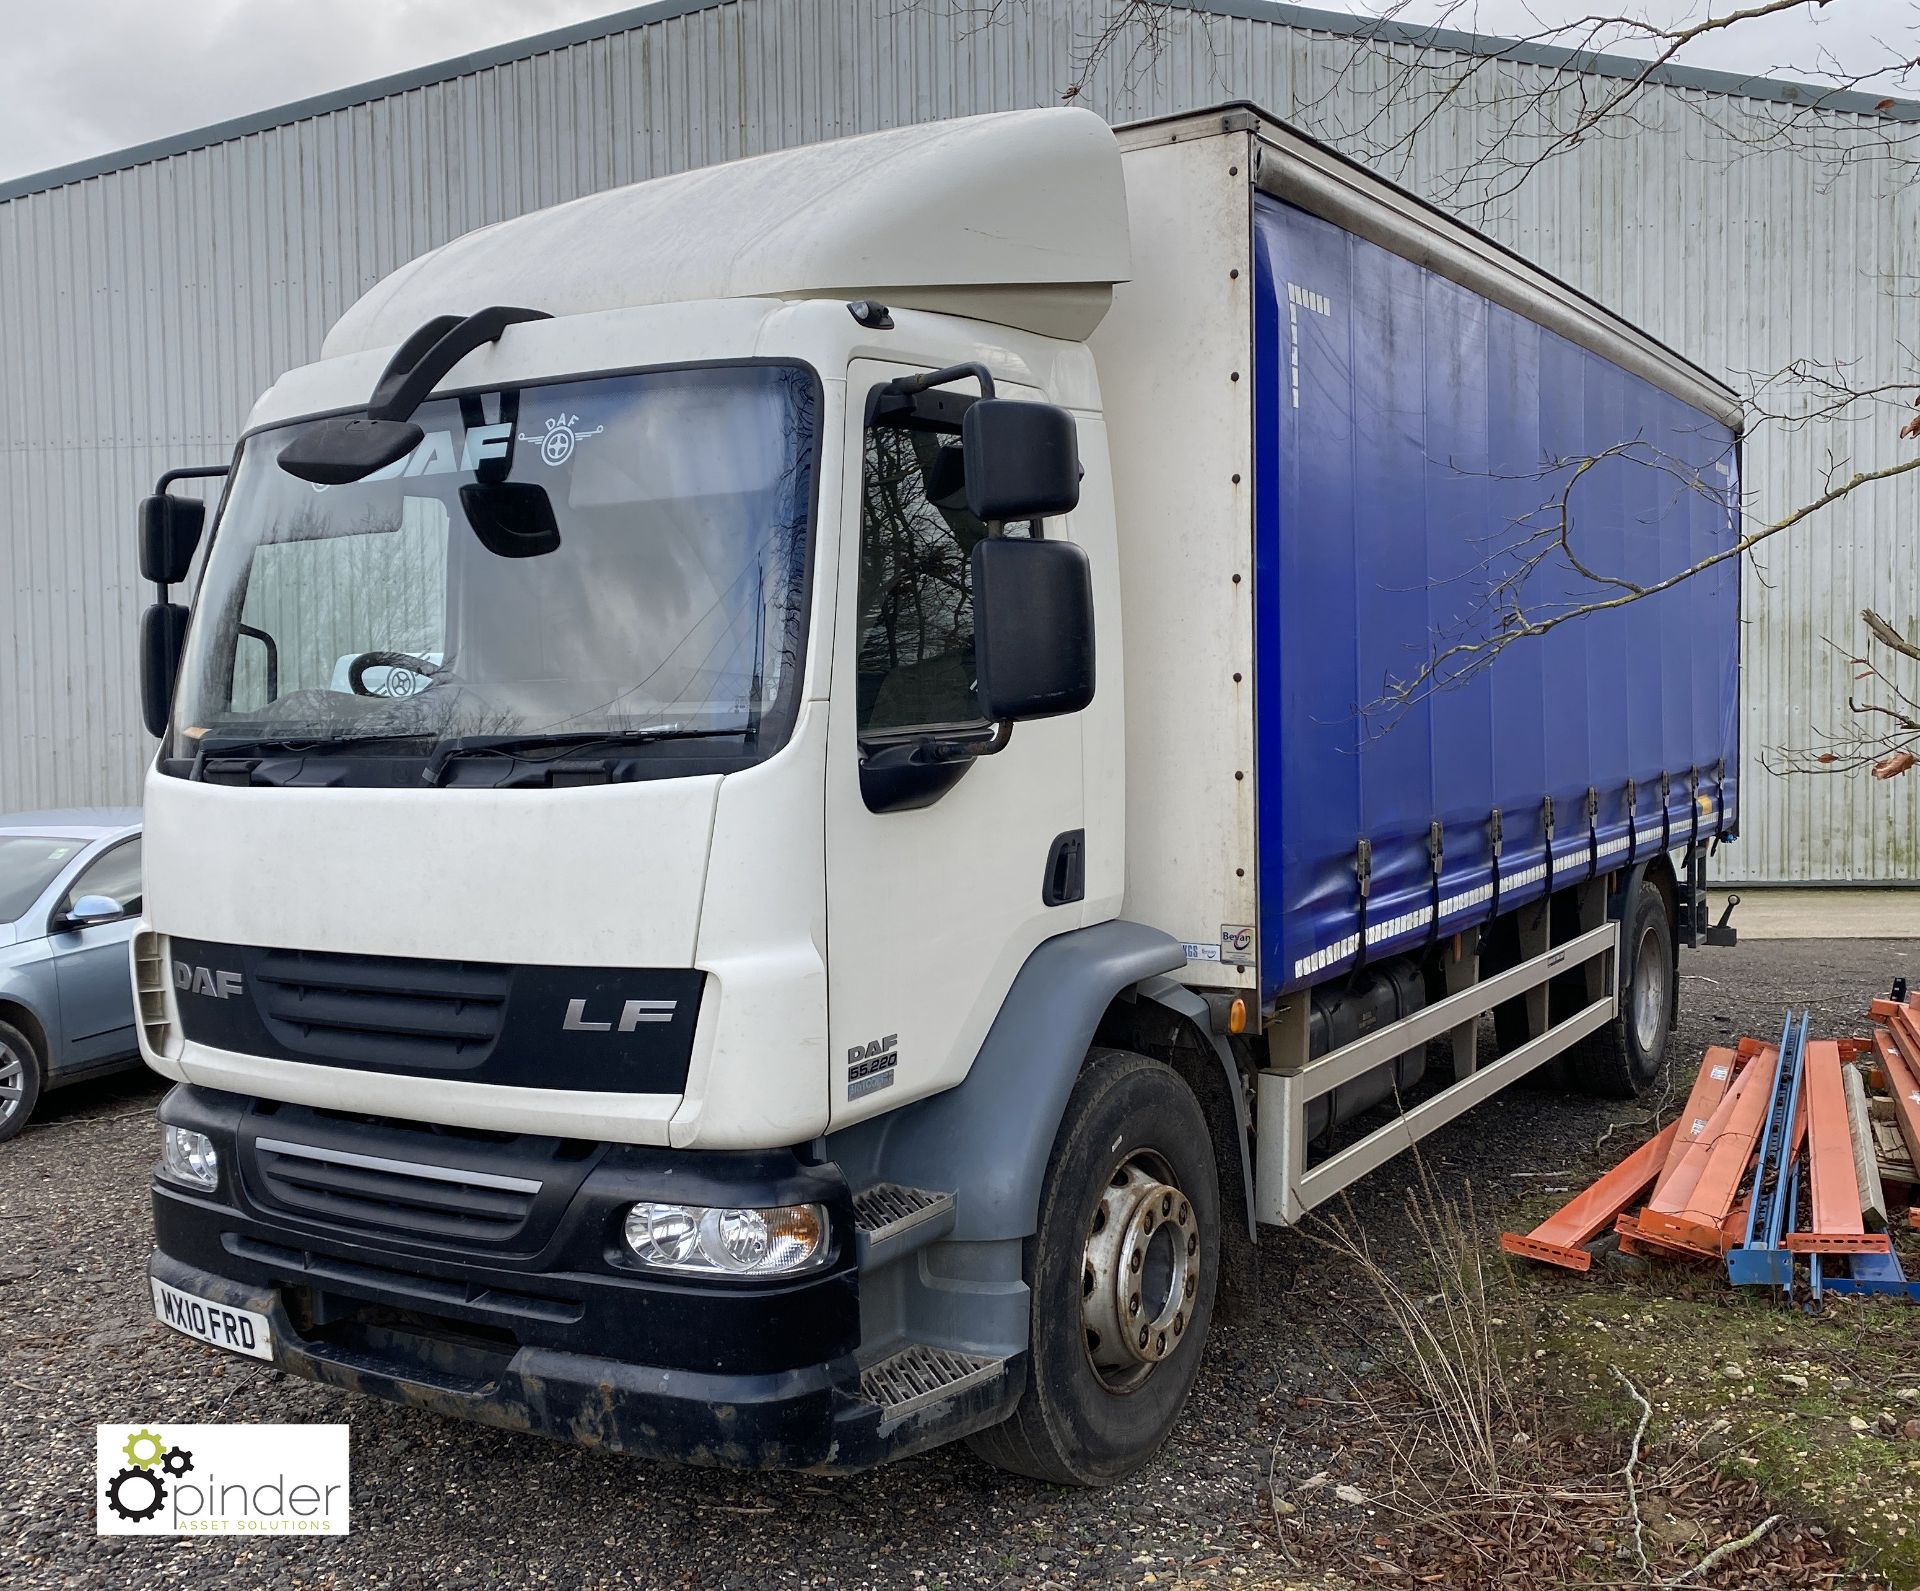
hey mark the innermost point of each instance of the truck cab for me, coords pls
(519, 793)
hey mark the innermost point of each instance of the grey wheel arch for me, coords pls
(27, 1020)
(1190, 1009)
(988, 1140)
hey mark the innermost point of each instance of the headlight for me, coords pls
(695, 1238)
(188, 1157)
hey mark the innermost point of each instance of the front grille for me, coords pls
(150, 988)
(394, 1195)
(382, 1009)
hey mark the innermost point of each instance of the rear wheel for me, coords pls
(1122, 1271)
(1623, 1059)
(20, 1081)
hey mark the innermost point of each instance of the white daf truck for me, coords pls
(766, 846)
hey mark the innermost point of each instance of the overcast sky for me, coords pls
(82, 77)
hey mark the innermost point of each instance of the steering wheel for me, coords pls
(396, 661)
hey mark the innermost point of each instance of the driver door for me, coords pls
(931, 910)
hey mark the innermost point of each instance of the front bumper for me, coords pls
(795, 1419)
(561, 1341)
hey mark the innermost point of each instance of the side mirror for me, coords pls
(1022, 460)
(340, 451)
(90, 910)
(169, 534)
(1032, 627)
(163, 630)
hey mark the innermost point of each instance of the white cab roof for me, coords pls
(1019, 218)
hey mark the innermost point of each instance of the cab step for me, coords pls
(921, 1375)
(890, 1220)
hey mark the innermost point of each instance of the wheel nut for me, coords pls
(1134, 1263)
(1160, 1343)
(1166, 1204)
(1186, 1212)
(1190, 1286)
(1179, 1324)
(1143, 1336)
(1193, 1242)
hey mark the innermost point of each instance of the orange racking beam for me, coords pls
(1835, 1220)
(1676, 1186)
(1690, 1210)
(1705, 1102)
(1558, 1240)
(1710, 1085)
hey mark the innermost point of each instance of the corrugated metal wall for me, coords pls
(141, 310)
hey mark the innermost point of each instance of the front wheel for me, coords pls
(1121, 1273)
(20, 1081)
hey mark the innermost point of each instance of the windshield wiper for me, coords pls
(562, 745)
(290, 745)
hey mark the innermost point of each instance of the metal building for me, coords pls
(147, 297)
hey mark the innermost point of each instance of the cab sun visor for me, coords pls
(351, 447)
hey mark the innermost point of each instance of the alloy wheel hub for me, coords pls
(1141, 1273)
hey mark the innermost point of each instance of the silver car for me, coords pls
(69, 899)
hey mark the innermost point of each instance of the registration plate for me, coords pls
(238, 1330)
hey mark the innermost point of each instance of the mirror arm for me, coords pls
(189, 472)
(436, 348)
(973, 369)
(192, 472)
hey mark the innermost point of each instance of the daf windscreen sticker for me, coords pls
(870, 1066)
(436, 455)
(562, 436)
(1201, 952)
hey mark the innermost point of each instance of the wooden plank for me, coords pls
(1898, 1047)
(1873, 1198)
(1889, 1147)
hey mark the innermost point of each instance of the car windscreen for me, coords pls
(28, 864)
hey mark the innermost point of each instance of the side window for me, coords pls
(116, 874)
(915, 663)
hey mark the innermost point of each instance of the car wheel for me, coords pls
(20, 1081)
(1121, 1272)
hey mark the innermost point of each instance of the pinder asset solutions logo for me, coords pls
(224, 1480)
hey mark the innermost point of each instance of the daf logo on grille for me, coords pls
(632, 1014)
(205, 980)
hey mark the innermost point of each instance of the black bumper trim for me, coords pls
(811, 1418)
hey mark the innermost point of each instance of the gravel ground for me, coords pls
(438, 1503)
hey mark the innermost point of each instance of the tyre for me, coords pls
(1622, 1059)
(1122, 1270)
(20, 1081)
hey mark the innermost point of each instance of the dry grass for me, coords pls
(1479, 1475)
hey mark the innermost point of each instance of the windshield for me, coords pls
(28, 863)
(621, 556)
